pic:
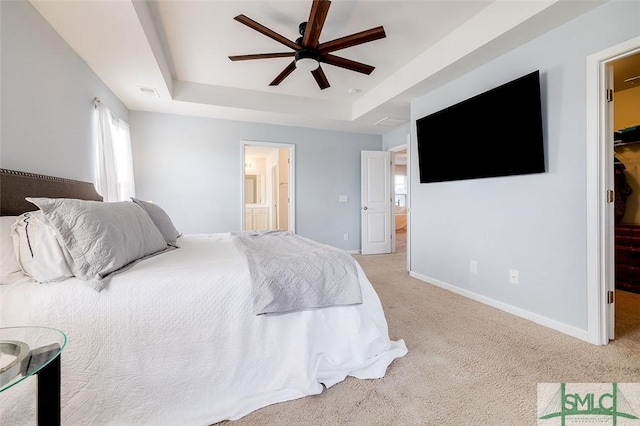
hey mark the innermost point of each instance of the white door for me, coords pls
(610, 215)
(376, 202)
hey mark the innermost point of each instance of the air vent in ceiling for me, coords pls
(149, 91)
(390, 122)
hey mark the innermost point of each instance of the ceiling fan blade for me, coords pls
(266, 31)
(321, 79)
(317, 16)
(337, 61)
(352, 40)
(261, 56)
(285, 72)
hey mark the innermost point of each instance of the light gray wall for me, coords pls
(534, 223)
(45, 94)
(396, 137)
(192, 167)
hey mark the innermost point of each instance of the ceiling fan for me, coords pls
(308, 52)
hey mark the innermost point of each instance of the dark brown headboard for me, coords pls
(15, 186)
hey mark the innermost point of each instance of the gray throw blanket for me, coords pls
(289, 272)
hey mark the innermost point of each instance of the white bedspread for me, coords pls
(174, 341)
(289, 272)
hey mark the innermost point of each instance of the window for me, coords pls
(114, 163)
(400, 186)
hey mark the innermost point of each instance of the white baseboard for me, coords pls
(353, 251)
(522, 313)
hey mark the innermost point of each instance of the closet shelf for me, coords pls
(622, 143)
(627, 136)
(627, 255)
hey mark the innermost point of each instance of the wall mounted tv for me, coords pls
(496, 133)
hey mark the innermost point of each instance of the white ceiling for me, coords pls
(181, 49)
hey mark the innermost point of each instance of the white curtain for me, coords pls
(114, 163)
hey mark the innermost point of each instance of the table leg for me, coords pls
(49, 394)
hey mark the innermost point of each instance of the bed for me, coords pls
(174, 339)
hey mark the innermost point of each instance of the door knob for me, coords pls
(366, 208)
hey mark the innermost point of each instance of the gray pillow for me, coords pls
(101, 237)
(161, 219)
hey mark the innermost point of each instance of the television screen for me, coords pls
(496, 133)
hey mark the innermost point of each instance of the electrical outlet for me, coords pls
(346, 237)
(473, 266)
(513, 276)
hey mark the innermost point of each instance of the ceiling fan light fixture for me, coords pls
(307, 60)
(308, 52)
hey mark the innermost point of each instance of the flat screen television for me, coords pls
(496, 133)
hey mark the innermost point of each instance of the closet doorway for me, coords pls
(602, 317)
(626, 177)
(268, 183)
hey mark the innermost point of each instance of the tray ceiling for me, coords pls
(180, 49)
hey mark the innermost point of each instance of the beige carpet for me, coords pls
(468, 363)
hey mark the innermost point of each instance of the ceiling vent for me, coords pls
(149, 91)
(390, 122)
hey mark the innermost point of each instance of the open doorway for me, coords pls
(401, 184)
(625, 122)
(400, 179)
(267, 183)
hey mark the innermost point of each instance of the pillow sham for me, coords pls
(161, 219)
(101, 237)
(9, 268)
(38, 250)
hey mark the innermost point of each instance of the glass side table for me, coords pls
(25, 351)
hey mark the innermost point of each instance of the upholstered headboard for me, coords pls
(15, 186)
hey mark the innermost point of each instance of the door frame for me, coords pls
(292, 178)
(600, 221)
(274, 189)
(404, 147)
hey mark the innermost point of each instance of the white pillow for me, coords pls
(161, 220)
(39, 252)
(101, 237)
(9, 268)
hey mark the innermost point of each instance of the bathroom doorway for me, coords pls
(267, 181)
